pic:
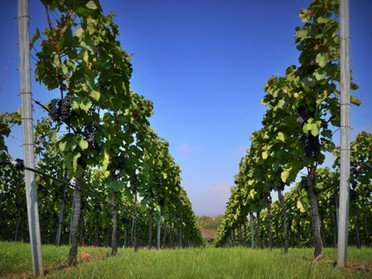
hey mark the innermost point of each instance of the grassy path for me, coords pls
(15, 262)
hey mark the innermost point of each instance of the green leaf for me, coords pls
(281, 103)
(128, 192)
(62, 145)
(91, 5)
(322, 20)
(300, 206)
(84, 12)
(264, 155)
(115, 186)
(314, 129)
(312, 126)
(308, 82)
(321, 59)
(95, 95)
(91, 25)
(252, 192)
(83, 144)
(353, 86)
(275, 166)
(86, 56)
(355, 101)
(284, 175)
(304, 15)
(301, 34)
(321, 97)
(75, 161)
(67, 144)
(85, 104)
(64, 69)
(319, 74)
(280, 137)
(79, 32)
(75, 104)
(55, 60)
(35, 37)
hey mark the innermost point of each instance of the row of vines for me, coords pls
(103, 176)
(303, 113)
(287, 222)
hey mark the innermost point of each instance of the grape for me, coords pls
(60, 110)
(303, 117)
(302, 112)
(53, 111)
(65, 107)
(300, 120)
(90, 132)
(311, 144)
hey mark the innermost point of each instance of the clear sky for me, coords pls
(204, 64)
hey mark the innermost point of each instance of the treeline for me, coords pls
(103, 176)
(303, 113)
(209, 223)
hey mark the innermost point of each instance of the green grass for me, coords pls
(15, 262)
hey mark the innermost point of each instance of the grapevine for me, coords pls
(60, 110)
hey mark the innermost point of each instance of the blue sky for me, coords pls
(204, 64)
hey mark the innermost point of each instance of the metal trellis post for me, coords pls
(345, 135)
(27, 137)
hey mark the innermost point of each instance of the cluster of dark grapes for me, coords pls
(90, 132)
(302, 115)
(53, 111)
(65, 108)
(311, 144)
(61, 110)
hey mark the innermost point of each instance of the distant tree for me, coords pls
(209, 223)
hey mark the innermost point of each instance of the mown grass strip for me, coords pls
(185, 263)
